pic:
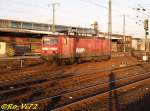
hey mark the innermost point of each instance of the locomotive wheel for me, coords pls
(10, 51)
(47, 59)
(59, 62)
(72, 60)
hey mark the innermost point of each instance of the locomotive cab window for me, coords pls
(50, 41)
(53, 41)
(46, 41)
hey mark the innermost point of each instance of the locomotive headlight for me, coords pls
(44, 48)
(53, 48)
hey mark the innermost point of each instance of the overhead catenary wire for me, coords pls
(143, 9)
(100, 5)
(96, 4)
(103, 6)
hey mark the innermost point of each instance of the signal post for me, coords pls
(145, 57)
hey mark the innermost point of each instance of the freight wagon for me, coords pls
(69, 49)
(10, 46)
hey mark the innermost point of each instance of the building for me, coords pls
(118, 43)
(138, 44)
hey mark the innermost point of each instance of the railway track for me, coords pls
(63, 87)
(56, 87)
(46, 70)
(143, 104)
(112, 100)
(56, 76)
(11, 64)
(74, 95)
(77, 95)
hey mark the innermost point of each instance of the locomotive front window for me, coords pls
(54, 41)
(46, 41)
(50, 41)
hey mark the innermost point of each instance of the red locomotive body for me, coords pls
(75, 48)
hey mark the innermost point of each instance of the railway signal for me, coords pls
(146, 24)
(145, 58)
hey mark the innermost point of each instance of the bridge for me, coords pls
(38, 28)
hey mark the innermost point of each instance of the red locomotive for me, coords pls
(71, 48)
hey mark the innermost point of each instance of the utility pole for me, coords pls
(110, 22)
(124, 38)
(53, 6)
(124, 32)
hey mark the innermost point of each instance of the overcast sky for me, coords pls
(78, 13)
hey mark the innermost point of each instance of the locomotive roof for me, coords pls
(76, 36)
